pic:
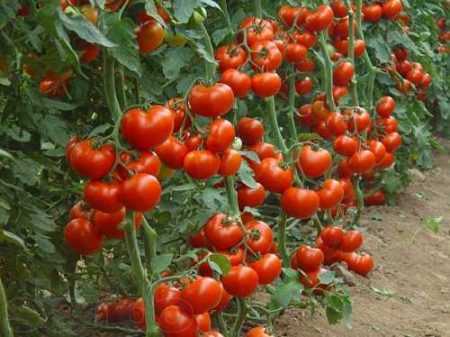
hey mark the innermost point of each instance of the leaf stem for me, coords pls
(224, 6)
(282, 240)
(359, 200)
(291, 108)
(5, 327)
(241, 315)
(258, 8)
(351, 52)
(210, 67)
(328, 71)
(272, 114)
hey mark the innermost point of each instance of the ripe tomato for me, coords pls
(426, 81)
(295, 53)
(175, 322)
(147, 162)
(389, 124)
(104, 197)
(303, 87)
(201, 295)
(313, 163)
(359, 120)
(258, 331)
(239, 82)
(266, 84)
(415, 76)
(331, 255)
(230, 57)
(141, 192)
(343, 45)
(343, 73)
(144, 130)
(401, 54)
(386, 106)
(250, 130)
(306, 66)
(223, 232)
(392, 8)
(80, 210)
(91, 162)
(258, 30)
(230, 162)
(403, 67)
(392, 141)
(336, 123)
(89, 52)
(221, 135)
(241, 281)
(344, 170)
(272, 176)
(345, 145)
(178, 108)
(293, 197)
(320, 19)
(150, 36)
(404, 86)
(351, 241)
(251, 197)
(376, 199)
(372, 13)
(203, 322)
(90, 13)
(339, 8)
(224, 300)
(290, 14)
(193, 142)
(166, 295)
(107, 223)
(82, 237)
(266, 56)
(308, 258)
(311, 279)
(259, 236)
(212, 333)
(306, 39)
(323, 131)
(359, 263)
(268, 268)
(265, 150)
(387, 161)
(331, 194)
(332, 236)
(341, 28)
(52, 85)
(362, 161)
(378, 149)
(212, 101)
(172, 152)
(201, 164)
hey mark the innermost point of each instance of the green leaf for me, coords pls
(28, 316)
(206, 55)
(55, 128)
(126, 52)
(100, 130)
(84, 29)
(6, 154)
(219, 263)
(175, 60)
(161, 262)
(27, 170)
(12, 238)
(284, 293)
(44, 243)
(250, 155)
(152, 10)
(245, 175)
(183, 9)
(434, 224)
(291, 274)
(211, 4)
(220, 34)
(327, 277)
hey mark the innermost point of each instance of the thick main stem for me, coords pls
(291, 108)
(232, 196)
(258, 8)
(328, 71)
(359, 200)
(351, 53)
(241, 315)
(272, 114)
(282, 240)
(5, 327)
(210, 68)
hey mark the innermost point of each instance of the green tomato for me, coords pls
(174, 40)
(199, 16)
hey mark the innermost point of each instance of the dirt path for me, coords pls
(413, 277)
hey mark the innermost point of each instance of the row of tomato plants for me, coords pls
(274, 178)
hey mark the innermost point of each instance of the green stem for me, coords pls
(241, 315)
(150, 239)
(5, 327)
(232, 196)
(328, 71)
(291, 109)
(210, 68)
(110, 87)
(351, 52)
(359, 200)
(279, 141)
(282, 240)
(221, 325)
(121, 87)
(224, 6)
(258, 8)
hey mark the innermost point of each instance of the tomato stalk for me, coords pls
(5, 327)
(359, 200)
(210, 67)
(232, 196)
(258, 8)
(220, 323)
(282, 240)
(291, 108)
(150, 239)
(351, 52)
(121, 87)
(272, 114)
(328, 71)
(241, 316)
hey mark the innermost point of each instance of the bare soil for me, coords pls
(408, 293)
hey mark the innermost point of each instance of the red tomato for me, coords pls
(415, 76)
(175, 322)
(251, 197)
(295, 53)
(106, 223)
(259, 236)
(241, 281)
(104, 197)
(178, 108)
(376, 199)
(290, 14)
(308, 258)
(343, 45)
(403, 67)
(401, 54)
(91, 162)
(89, 53)
(339, 8)
(359, 120)
(268, 268)
(258, 30)
(378, 149)
(198, 239)
(345, 145)
(392, 141)
(351, 241)
(331, 194)
(387, 161)
(250, 130)
(359, 263)
(149, 36)
(201, 164)
(343, 73)
(223, 232)
(389, 124)
(386, 106)
(404, 86)
(203, 322)
(221, 135)
(362, 161)
(265, 150)
(166, 295)
(212, 333)
(392, 8)
(258, 331)
(266, 84)
(172, 152)
(148, 162)
(273, 177)
(372, 13)
(303, 87)
(336, 123)
(212, 101)
(266, 56)
(311, 279)
(306, 39)
(230, 162)
(201, 295)
(293, 197)
(306, 66)
(141, 192)
(314, 163)
(332, 255)
(80, 210)
(332, 236)
(224, 300)
(82, 237)
(341, 28)
(230, 57)
(320, 19)
(239, 82)
(144, 130)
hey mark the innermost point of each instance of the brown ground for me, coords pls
(412, 274)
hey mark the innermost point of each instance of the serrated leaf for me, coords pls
(27, 170)
(175, 60)
(152, 10)
(29, 316)
(245, 175)
(206, 55)
(284, 294)
(219, 263)
(84, 29)
(12, 238)
(161, 262)
(183, 9)
(290, 274)
(250, 155)
(99, 130)
(327, 277)
(220, 34)
(434, 224)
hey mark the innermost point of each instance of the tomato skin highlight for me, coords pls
(212, 101)
(201, 295)
(82, 237)
(201, 164)
(268, 268)
(175, 322)
(103, 197)
(300, 203)
(241, 281)
(141, 192)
